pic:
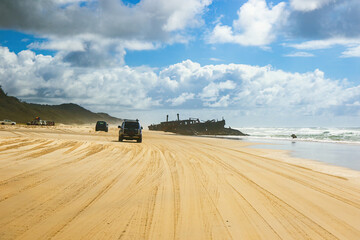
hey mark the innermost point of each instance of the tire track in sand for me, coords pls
(291, 215)
(39, 175)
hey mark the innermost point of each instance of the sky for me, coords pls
(256, 63)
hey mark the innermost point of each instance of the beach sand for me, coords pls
(70, 182)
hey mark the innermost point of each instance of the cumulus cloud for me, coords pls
(148, 20)
(92, 51)
(46, 79)
(184, 13)
(211, 92)
(252, 87)
(96, 33)
(181, 99)
(256, 25)
(325, 23)
(338, 19)
(321, 23)
(180, 74)
(67, 44)
(309, 5)
(222, 102)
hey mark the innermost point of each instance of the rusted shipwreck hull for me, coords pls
(193, 126)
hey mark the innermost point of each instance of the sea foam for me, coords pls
(313, 134)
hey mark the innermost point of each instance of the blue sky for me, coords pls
(253, 62)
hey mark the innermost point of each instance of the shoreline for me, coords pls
(347, 173)
(251, 142)
(348, 135)
(332, 153)
(254, 138)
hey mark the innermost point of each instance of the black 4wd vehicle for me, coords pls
(130, 130)
(101, 126)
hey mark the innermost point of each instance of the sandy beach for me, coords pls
(70, 182)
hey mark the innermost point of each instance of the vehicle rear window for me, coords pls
(131, 124)
(100, 123)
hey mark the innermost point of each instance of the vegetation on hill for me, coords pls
(68, 113)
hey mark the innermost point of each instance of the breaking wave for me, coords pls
(316, 134)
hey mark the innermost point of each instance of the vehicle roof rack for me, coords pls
(131, 120)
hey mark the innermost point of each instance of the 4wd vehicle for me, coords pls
(130, 130)
(7, 122)
(101, 126)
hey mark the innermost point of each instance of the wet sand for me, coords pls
(70, 182)
(345, 155)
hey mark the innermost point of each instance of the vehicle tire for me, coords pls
(139, 140)
(106, 130)
(120, 139)
(13, 124)
(2, 123)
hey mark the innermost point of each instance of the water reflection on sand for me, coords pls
(345, 155)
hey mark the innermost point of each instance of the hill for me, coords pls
(68, 113)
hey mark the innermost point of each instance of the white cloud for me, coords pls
(222, 34)
(149, 20)
(215, 59)
(324, 24)
(257, 25)
(89, 50)
(181, 73)
(252, 87)
(299, 54)
(352, 45)
(309, 5)
(69, 44)
(352, 52)
(184, 13)
(139, 45)
(356, 104)
(323, 44)
(96, 33)
(181, 99)
(46, 79)
(222, 102)
(211, 92)
(7, 58)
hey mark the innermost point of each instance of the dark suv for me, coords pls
(130, 130)
(101, 126)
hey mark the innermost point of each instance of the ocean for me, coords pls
(312, 134)
(336, 146)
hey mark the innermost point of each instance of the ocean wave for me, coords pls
(329, 135)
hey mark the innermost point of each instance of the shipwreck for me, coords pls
(193, 126)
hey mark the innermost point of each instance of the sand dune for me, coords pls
(69, 182)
